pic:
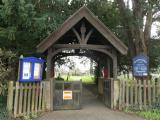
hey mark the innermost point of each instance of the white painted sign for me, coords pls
(67, 95)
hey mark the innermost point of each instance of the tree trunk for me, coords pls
(137, 33)
(128, 28)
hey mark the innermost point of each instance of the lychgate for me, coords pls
(82, 34)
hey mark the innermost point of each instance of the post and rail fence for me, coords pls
(139, 94)
(25, 98)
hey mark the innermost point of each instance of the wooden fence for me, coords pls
(25, 98)
(138, 94)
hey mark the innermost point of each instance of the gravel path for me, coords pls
(92, 109)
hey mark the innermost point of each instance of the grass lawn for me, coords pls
(151, 115)
(85, 79)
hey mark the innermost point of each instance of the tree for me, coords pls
(23, 24)
(137, 21)
(17, 18)
(154, 50)
(6, 62)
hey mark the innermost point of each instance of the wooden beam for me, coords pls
(100, 49)
(94, 57)
(87, 36)
(83, 31)
(49, 64)
(81, 46)
(109, 68)
(83, 12)
(77, 35)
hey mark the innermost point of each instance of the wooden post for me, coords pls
(149, 93)
(10, 96)
(112, 93)
(127, 94)
(33, 97)
(51, 92)
(50, 65)
(114, 78)
(120, 95)
(29, 99)
(47, 95)
(154, 92)
(49, 84)
(136, 93)
(158, 90)
(48, 74)
(16, 99)
(131, 92)
(20, 98)
(123, 93)
(43, 96)
(36, 96)
(140, 94)
(40, 97)
(109, 68)
(115, 67)
(144, 92)
(25, 99)
(116, 92)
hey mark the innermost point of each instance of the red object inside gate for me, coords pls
(105, 73)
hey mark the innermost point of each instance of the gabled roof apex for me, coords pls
(83, 12)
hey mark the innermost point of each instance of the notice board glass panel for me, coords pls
(27, 68)
(37, 70)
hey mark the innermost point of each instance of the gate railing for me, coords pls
(138, 94)
(108, 92)
(75, 87)
(25, 98)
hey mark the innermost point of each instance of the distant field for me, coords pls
(85, 79)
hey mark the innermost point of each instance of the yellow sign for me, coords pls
(67, 95)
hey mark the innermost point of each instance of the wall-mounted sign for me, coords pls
(140, 66)
(67, 95)
(31, 69)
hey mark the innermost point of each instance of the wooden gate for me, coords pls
(67, 95)
(108, 92)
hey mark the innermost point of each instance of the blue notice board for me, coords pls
(31, 69)
(140, 66)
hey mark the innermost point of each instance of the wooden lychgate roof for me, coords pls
(83, 12)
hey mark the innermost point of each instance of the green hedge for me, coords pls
(4, 113)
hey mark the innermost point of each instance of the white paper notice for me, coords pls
(37, 70)
(26, 70)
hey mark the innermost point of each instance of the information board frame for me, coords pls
(32, 61)
(140, 66)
